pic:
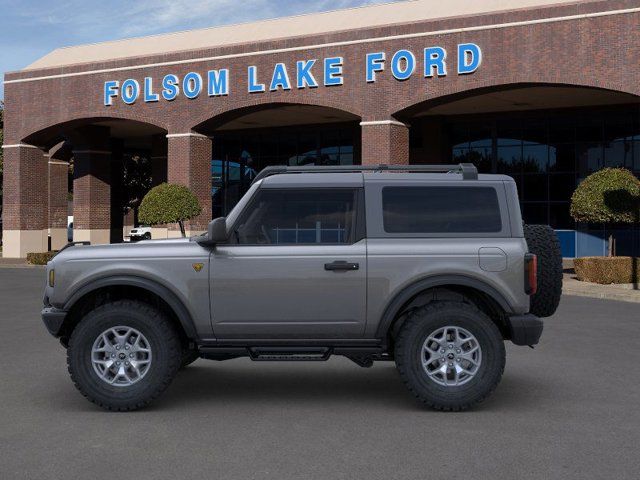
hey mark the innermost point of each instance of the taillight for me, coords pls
(530, 274)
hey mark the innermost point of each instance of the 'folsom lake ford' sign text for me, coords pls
(308, 74)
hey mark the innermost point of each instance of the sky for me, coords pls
(30, 29)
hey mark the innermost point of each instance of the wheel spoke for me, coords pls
(121, 370)
(458, 346)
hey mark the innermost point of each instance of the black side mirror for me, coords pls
(217, 230)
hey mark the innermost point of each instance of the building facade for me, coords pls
(546, 91)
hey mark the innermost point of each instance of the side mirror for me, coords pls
(217, 230)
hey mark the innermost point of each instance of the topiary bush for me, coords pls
(611, 195)
(169, 203)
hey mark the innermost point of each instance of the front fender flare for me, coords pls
(178, 307)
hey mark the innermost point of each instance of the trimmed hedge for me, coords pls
(40, 258)
(607, 270)
(168, 203)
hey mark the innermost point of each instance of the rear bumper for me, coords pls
(525, 329)
(53, 319)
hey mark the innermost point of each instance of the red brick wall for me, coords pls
(25, 189)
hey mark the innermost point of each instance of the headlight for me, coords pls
(52, 277)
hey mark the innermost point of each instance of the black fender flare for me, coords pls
(401, 298)
(178, 307)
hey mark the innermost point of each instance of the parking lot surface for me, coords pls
(568, 409)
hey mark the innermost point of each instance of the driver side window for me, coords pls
(299, 217)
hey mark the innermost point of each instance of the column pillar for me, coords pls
(25, 209)
(189, 164)
(58, 191)
(385, 141)
(158, 159)
(92, 185)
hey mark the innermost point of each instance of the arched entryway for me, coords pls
(93, 172)
(547, 137)
(249, 139)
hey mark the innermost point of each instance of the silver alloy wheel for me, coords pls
(451, 356)
(121, 356)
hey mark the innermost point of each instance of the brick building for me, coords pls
(545, 91)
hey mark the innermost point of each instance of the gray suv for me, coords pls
(428, 266)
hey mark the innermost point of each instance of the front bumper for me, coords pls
(525, 329)
(53, 319)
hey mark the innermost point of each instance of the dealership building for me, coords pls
(546, 91)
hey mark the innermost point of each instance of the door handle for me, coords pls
(341, 265)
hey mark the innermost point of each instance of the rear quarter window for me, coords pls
(441, 209)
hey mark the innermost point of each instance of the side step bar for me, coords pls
(289, 354)
(363, 356)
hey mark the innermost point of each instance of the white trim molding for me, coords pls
(384, 122)
(329, 45)
(58, 162)
(189, 134)
(20, 145)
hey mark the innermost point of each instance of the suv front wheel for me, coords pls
(450, 355)
(123, 354)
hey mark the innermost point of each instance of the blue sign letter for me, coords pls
(192, 85)
(469, 58)
(170, 86)
(130, 91)
(375, 63)
(218, 82)
(110, 91)
(400, 71)
(280, 78)
(149, 96)
(333, 71)
(434, 57)
(304, 76)
(254, 87)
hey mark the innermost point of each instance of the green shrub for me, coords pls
(169, 203)
(40, 258)
(611, 195)
(606, 270)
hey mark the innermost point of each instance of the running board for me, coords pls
(289, 354)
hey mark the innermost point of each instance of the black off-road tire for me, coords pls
(425, 321)
(189, 355)
(543, 242)
(165, 346)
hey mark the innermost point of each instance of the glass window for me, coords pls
(535, 158)
(618, 154)
(535, 187)
(294, 216)
(440, 210)
(560, 216)
(535, 213)
(510, 159)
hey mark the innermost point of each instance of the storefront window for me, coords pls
(548, 152)
(238, 156)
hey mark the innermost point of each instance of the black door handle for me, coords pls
(341, 265)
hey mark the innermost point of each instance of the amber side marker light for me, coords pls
(530, 274)
(52, 277)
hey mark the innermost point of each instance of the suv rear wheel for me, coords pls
(450, 355)
(123, 355)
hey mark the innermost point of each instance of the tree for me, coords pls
(611, 195)
(169, 203)
(136, 182)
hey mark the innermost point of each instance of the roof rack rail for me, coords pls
(468, 170)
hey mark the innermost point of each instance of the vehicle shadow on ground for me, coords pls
(380, 386)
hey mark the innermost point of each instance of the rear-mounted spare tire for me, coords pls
(543, 242)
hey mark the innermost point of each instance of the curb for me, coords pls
(577, 288)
